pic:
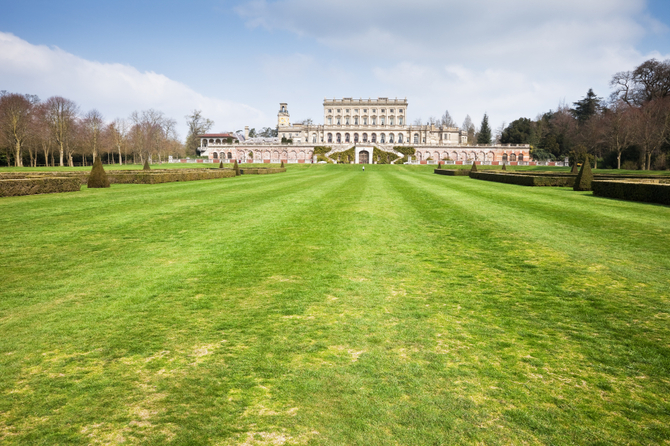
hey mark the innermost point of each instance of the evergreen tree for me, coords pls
(474, 167)
(484, 135)
(504, 166)
(146, 165)
(237, 169)
(587, 107)
(282, 164)
(585, 176)
(221, 165)
(98, 177)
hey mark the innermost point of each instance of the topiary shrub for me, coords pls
(439, 165)
(146, 165)
(282, 164)
(221, 165)
(584, 177)
(474, 167)
(575, 168)
(504, 166)
(98, 177)
(236, 168)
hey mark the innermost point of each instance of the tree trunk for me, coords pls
(120, 159)
(18, 161)
(618, 161)
(62, 150)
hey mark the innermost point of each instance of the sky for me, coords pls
(237, 60)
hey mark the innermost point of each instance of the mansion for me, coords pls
(362, 124)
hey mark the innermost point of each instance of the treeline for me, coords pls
(631, 129)
(55, 133)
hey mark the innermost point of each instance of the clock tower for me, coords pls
(282, 116)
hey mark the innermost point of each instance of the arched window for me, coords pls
(230, 155)
(215, 155)
(382, 138)
(512, 157)
(416, 138)
(338, 138)
(365, 137)
(211, 141)
(504, 158)
(314, 138)
(355, 137)
(391, 138)
(520, 156)
(400, 138)
(330, 137)
(346, 137)
(373, 138)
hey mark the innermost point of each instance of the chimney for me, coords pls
(246, 132)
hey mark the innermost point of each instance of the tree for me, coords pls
(92, 126)
(197, 125)
(484, 136)
(117, 132)
(252, 133)
(62, 114)
(469, 128)
(15, 117)
(518, 132)
(587, 108)
(652, 126)
(618, 129)
(648, 81)
(418, 122)
(446, 120)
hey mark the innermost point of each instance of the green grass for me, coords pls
(329, 306)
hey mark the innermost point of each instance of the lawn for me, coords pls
(331, 306)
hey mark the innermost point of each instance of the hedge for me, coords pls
(263, 171)
(453, 172)
(166, 176)
(650, 192)
(524, 180)
(33, 186)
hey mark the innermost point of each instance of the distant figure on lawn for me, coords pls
(363, 168)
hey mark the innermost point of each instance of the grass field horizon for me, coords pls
(331, 306)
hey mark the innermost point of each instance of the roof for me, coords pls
(218, 135)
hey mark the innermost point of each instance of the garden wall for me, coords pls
(32, 186)
(166, 176)
(263, 171)
(650, 191)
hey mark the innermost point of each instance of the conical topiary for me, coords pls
(584, 177)
(474, 167)
(575, 168)
(98, 177)
(146, 165)
(221, 165)
(504, 166)
(237, 169)
(282, 164)
(439, 165)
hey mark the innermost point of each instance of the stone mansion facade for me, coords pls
(363, 124)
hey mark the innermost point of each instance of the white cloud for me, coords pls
(509, 58)
(114, 89)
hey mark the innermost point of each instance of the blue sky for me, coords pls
(236, 60)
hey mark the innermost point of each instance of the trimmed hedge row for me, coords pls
(33, 186)
(263, 171)
(648, 191)
(524, 180)
(453, 172)
(166, 176)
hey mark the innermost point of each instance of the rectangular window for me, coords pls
(339, 110)
(400, 121)
(330, 121)
(391, 120)
(365, 121)
(330, 110)
(400, 111)
(355, 110)
(374, 110)
(347, 110)
(356, 121)
(346, 121)
(390, 110)
(339, 122)
(373, 121)
(365, 110)
(381, 120)
(382, 110)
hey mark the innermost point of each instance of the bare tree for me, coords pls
(618, 128)
(61, 114)
(647, 82)
(117, 133)
(92, 125)
(652, 127)
(446, 120)
(15, 116)
(152, 133)
(197, 125)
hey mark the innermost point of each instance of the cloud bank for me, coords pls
(114, 89)
(509, 58)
